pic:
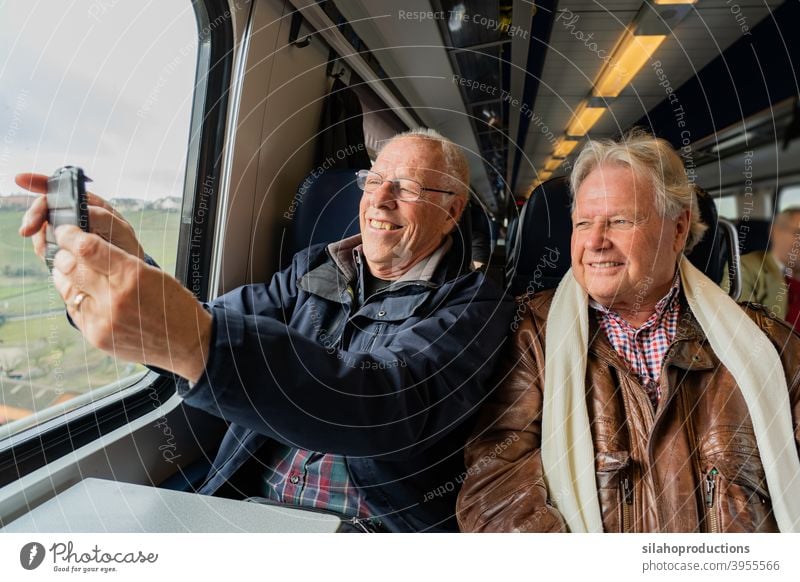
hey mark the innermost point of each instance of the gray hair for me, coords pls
(652, 159)
(454, 159)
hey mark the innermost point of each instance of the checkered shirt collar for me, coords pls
(666, 304)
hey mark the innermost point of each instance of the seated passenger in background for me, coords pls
(351, 379)
(638, 396)
(772, 278)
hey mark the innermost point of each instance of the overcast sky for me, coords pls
(99, 84)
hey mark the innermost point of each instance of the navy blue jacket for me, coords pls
(391, 381)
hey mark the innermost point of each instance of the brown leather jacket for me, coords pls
(692, 465)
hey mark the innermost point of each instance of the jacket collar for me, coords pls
(773, 264)
(334, 279)
(348, 255)
(664, 306)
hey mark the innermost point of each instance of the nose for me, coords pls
(596, 239)
(383, 196)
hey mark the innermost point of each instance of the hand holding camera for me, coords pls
(100, 217)
(122, 306)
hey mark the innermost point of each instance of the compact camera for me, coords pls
(66, 204)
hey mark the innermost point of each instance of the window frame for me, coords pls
(35, 447)
(783, 187)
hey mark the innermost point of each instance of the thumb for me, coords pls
(32, 182)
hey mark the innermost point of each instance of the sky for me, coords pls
(104, 84)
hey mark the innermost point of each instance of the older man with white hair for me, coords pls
(772, 278)
(351, 379)
(638, 397)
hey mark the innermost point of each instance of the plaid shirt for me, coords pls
(644, 348)
(309, 479)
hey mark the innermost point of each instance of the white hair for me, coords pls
(652, 159)
(454, 159)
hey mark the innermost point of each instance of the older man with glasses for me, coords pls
(350, 380)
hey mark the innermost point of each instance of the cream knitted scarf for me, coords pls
(747, 353)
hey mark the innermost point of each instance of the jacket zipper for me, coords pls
(711, 501)
(359, 525)
(365, 525)
(627, 504)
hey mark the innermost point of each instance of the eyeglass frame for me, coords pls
(396, 186)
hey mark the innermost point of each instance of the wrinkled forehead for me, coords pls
(414, 157)
(614, 189)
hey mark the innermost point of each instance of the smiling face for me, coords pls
(623, 253)
(398, 234)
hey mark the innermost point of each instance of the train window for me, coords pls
(753, 203)
(95, 85)
(789, 197)
(727, 207)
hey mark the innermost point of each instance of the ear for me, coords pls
(457, 205)
(682, 227)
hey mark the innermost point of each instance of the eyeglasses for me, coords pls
(404, 189)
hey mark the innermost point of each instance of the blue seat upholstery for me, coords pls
(326, 209)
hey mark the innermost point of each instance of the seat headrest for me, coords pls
(324, 210)
(754, 234)
(541, 249)
(711, 254)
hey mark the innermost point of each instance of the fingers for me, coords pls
(74, 297)
(34, 224)
(40, 242)
(103, 219)
(34, 217)
(106, 222)
(95, 200)
(91, 251)
(65, 263)
(65, 285)
(33, 182)
(101, 222)
(73, 277)
(38, 183)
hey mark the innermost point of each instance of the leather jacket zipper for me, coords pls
(627, 503)
(712, 519)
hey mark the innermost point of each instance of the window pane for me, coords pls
(790, 198)
(107, 87)
(727, 207)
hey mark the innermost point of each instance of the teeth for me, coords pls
(382, 225)
(605, 265)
